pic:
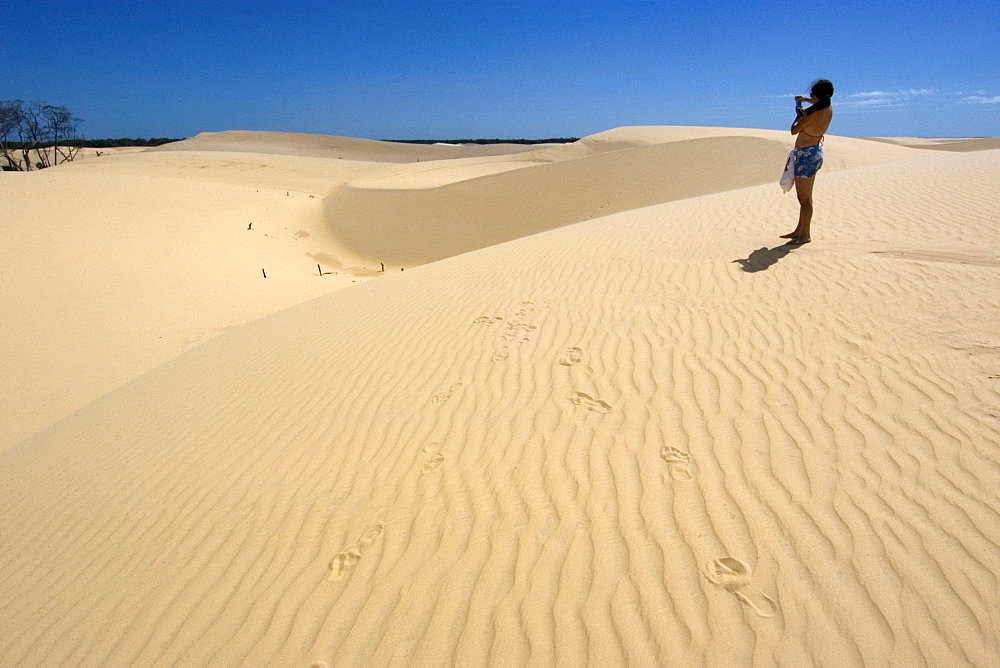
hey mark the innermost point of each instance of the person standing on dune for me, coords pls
(807, 157)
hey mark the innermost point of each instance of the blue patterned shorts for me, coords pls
(808, 160)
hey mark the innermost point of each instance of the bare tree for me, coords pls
(39, 128)
(61, 126)
(11, 116)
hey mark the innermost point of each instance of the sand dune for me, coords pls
(962, 144)
(413, 214)
(114, 266)
(160, 254)
(654, 437)
(330, 147)
(260, 171)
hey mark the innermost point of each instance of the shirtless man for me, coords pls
(809, 127)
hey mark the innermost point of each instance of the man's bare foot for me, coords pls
(798, 241)
(790, 235)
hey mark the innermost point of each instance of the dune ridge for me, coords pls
(416, 214)
(333, 147)
(943, 144)
(166, 247)
(416, 226)
(642, 438)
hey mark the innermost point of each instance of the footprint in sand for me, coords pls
(432, 463)
(526, 308)
(734, 576)
(518, 332)
(344, 562)
(571, 356)
(442, 397)
(502, 354)
(487, 320)
(349, 557)
(590, 403)
(677, 462)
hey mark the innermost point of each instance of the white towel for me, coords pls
(788, 176)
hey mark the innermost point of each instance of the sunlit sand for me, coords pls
(279, 399)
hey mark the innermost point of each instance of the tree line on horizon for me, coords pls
(122, 141)
(104, 143)
(36, 135)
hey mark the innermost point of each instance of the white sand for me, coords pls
(944, 144)
(652, 437)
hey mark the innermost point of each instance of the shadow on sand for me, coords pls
(765, 258)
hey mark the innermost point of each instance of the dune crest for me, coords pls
(412, 226)
(334, 148)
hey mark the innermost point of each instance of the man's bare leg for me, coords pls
(803, 190)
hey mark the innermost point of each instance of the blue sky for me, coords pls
(446, 69)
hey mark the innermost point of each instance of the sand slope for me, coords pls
(106, 274)
(112, 265)
(652, 437)
(116, 263)
(414, 214)
(418, 225)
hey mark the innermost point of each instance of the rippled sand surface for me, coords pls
(604, 416)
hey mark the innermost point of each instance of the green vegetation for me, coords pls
(121, 141)
(102, 143)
